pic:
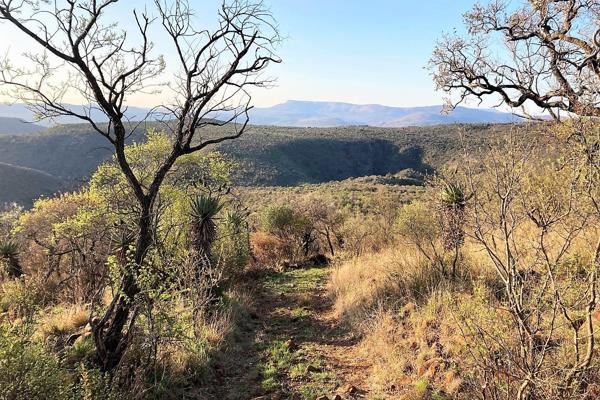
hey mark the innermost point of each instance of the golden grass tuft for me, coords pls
(63, 320)
(411, 346)
(390, 279)
(402, 306)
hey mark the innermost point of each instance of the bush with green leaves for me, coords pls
(233, 244)
(291, 226)
(30, 371)
(27, 370)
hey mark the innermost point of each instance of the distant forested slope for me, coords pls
(289, 156)
(267, 156)
(16, 126)
(23, 185)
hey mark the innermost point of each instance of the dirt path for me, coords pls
(291, 346)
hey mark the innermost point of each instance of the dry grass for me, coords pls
(390, 279)
(63, 320)
(400, 304)
(417, 325)
(414, 352)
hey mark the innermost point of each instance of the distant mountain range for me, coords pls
(331, 114)
(21, 112)
(317, 114)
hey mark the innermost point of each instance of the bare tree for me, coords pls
(544, 53)
(530, 217)
(83, 53)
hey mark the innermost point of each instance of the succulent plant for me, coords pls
(9, 255)
(203, 230)
(453, 195)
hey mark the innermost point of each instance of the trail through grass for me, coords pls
(290, 346)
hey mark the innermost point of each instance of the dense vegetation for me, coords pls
(431, 281)
(267, 156)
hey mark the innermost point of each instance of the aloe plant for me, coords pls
(453, 195)
(203, 230)
(9, 254)
(453, 202)
(235, 220)
(123, 240)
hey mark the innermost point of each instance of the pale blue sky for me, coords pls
(341, 50)
(361, 51)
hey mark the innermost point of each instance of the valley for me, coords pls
(267, 156)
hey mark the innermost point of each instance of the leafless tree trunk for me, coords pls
(83, 54)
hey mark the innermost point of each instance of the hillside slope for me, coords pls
(275, 156)
(68, 152)
(267, 156)
(23, 185)
(17, 126)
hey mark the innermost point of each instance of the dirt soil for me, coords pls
(290, 346)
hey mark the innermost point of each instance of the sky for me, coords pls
(360, 51)
(356, 51)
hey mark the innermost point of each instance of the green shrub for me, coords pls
(20, 298)
(27, 370)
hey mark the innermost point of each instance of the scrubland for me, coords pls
(493, 296)
(479, 284)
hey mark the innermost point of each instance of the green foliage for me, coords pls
(279, 360)
(416, 223)
(452, 195)
(9, 257)
(203, 229)
(8, 249)
(233, 243)
(27, 370)
(9, 217)
(21, 298)
(93, 384)
(296, 280)
(284, 221)
(205, 208)
(68, 234)
(192, 176)
(30, 371)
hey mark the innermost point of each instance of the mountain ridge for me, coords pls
(317, 114)
(323, 114)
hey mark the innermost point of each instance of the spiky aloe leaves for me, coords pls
(203, 230)
(205, 207)
(453, 201)
(9, 256)
(453, 195)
